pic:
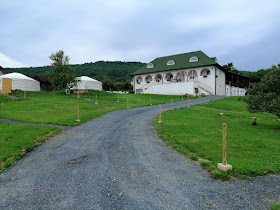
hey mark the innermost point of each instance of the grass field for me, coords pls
(16, 140)
(58, 108)
(197, 133)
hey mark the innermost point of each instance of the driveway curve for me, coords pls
(116, 161)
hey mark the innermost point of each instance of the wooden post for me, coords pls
(151, 101)
(254, 121)
(188, 100)
(78, 113)
(118, 98)
(24, 96)
(96, 100)
(224, 166)
(127, 103)
(159, 119)
(224, 144)
(171, 104)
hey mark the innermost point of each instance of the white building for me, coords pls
(17, 81)
(190, 73)
(87, 83)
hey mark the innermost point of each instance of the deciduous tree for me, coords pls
(265, 95)
(63, 77)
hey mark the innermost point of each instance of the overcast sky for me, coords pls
(246, 33)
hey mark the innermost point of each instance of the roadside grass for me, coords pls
(16, 140)
(275, 207)
(197, 133)
(134, 100)
(61, 109)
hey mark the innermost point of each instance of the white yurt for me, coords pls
(14, 81)
(87, 83)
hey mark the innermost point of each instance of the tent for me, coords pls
(14, 81)
(88, 83)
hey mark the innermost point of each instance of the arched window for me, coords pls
(192, 74)
(158, 78)
(150, 65)
(205, 72)
(169, 76)
(193, 59)
(148, 78)
(170, 62)
(180, 76)
(139, 79)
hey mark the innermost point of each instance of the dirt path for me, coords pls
(116, 162)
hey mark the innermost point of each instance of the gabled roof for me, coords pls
(3, 70)
(181, 62)
(43, 79)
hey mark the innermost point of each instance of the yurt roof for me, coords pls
(85, 78)
(16, 76)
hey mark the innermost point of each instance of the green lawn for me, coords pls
(16, 140)
(197, 133)
(58, 108)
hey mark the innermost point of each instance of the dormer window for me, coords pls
(170, 62)
(193, 59)
(150, 65)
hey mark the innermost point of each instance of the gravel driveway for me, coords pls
(116, 161)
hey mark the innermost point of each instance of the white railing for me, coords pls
(205, 87)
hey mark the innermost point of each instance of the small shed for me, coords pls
(17, 81)
(87, 83)
(45, 83)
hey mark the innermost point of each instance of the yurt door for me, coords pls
(6, 85)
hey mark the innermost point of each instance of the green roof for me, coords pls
(181, 62)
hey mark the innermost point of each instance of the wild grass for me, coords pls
(16, 140)
(197, 132)
(61, 109)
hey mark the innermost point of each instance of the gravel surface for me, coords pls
(116, 162)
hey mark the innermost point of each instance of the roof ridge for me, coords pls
(179, 54)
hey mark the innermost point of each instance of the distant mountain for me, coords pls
(116, 70)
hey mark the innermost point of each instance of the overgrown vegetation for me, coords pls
(16, 140)
(197, 133)
(58, 108)
(265, 95)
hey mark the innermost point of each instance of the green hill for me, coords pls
(117, 70)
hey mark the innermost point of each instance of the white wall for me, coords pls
(90, 85)
(235, 91)
(25, 85)
(175, 88)
(220, 82)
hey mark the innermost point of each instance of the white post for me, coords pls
(96, 99)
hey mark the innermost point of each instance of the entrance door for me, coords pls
(6, 85)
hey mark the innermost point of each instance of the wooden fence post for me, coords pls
(224, 166)
(78, 113)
